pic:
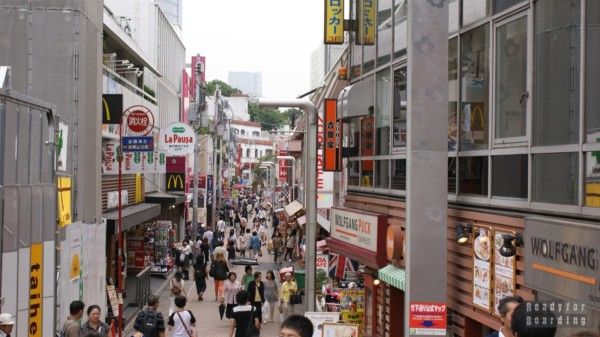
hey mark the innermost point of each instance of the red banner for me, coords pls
(175, 164)
(332, 137)
(367, 142)
(283, 168)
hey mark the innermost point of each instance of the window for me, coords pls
(260, 153)
(556, 103)
(452, 94)
(351, 143)
(474, 10)
(353, 170)
(243, 132)
(555, 177)
(382, 174)
(256, 133)
(247, 153)
(509, 176)
(592, 70)
(366, 174)
(382, 112)
(268, 152)
(400, 15)
(511, 79)
(236, 131)
(452, 175)
(592, 179)
(384, 32)
(473, 177)
(399, 126)
(399, 174)
(453, 16)
(475, 84)
(500, 5)
(255, 153)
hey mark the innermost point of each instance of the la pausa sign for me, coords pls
(360, 229)
(178, 139)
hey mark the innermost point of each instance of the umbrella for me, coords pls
(221, 310)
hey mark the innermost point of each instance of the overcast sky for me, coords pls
(274, 37)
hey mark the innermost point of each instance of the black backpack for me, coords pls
(148, 323)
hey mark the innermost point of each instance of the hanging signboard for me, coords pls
(178, 139)
(139, 120)
(175, 182)
(112, 108)
(63, 187)
(62, 141)
(323, 263)
(334, 22)
(367, 143)
(209, 190)
(504, 271)
(138, 144)
(482, 267)
(36, 278)
(428, 319)
(133, 162)
(332, 138)
(367, 22)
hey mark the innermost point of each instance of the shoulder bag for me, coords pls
(190, 332)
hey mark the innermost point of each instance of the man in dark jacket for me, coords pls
(506, 307)
(256, 289)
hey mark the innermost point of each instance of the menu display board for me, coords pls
(504, 271)
(482, 267)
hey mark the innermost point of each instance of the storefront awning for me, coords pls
(292, 208)
(321, 220)
(132, 215)
(393, 276)
(165, 198)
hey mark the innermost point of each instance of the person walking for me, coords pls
(205, 249)
(150, 322)
(181, 321)
(177, 284)
(231, 287)
(288, 288)
(94, 324)
(219, 272)
(271, 296)
(248, 277)
(244, 321)
(71, 327)
(290, 245)
(200, 275)
(6, 324)
(208, 236)
(277, 246)
(254, 246)
(256, 289)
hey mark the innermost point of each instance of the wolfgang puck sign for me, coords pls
(139, 120)
(178, 139)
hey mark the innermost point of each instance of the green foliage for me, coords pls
(321, 279)
(226, 89)
(292, 115)
(269, 119)
(149, 91)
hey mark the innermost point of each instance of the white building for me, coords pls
(236, 108)
(173, 10)
(321, 61)
(252, 142)
(249, 83)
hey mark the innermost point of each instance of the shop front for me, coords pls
(360, 236)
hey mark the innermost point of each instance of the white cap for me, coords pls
(6, 319)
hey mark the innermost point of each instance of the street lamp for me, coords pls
(310, 182)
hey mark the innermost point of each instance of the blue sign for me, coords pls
(138, 144)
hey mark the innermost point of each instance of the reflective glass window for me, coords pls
(509, 176)
(452, 94)
(592, 71)
(474, 10)
(592, 179)
(384, 31)
(473, 175)
(382, 112)
(399, 174)
(399, 126)
(382, 174)
(555, 178)
(400, 13)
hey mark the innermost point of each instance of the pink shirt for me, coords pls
(230, 289)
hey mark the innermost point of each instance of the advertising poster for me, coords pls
(429, 319)
(320, 318)
(482, 278)
(62, 140)
(352, 307)
(340, 330)
(323, 262)
(504, 271)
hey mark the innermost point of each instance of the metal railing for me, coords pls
(142, 286)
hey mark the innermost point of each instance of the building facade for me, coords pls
(522, 146)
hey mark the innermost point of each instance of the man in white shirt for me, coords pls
(221, 227)
(6, 325)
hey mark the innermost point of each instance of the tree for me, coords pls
(292, 115)
(226, 89)
(269, 119)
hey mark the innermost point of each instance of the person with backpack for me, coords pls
(149, 322)
(181, 321)
(254, 246)
(71, 327)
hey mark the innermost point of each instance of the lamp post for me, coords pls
(310, 182)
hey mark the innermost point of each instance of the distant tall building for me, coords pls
(173, 10)
(322, 60)
(249, 83)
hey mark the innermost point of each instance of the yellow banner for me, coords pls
(139, 188)
(334, 22)
(36, 271)
(367, 18)
(63, 186)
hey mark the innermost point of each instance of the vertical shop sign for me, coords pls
(482, 267)
(209, 190)
(36, 272)
(334, 22)
(64, 200)
(283, 169)
(429, 319)
(367, 142)
(61, 147)
(112, 108)
(504, 271)
(332, 137)
(367, 21)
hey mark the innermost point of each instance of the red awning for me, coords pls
(366, 257)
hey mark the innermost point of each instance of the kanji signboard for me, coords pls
(332, 138)
(367, 142)
(334, 22)
(428, 319)
(139, 120)
(367, 22)
(138, 144)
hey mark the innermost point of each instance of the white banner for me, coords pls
(357, 229)
(133, 162)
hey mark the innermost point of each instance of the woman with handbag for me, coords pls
(244, 322)
(219, 272)
(288, 289)
(177, 284)
(232, 286)
(181, 321)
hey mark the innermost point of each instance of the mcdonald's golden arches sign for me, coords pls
(112, 108)
(175, 182)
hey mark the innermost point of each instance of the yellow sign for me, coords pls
(75, 269)
(63, 186)
(334, 22)
(36, 272)
(175, 182)
(367, 26)
(139, 188)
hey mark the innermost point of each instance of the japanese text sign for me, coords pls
(334, 22)
(428, 319)
(367, 142)
(138, 144)
(332, 137)
(367, 18)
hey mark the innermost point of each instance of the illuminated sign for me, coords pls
(332, 138)
(175, 182)
(112, 108)
(334, 22)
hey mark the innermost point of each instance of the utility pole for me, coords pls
(199, 107)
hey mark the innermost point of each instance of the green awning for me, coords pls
(393, 276)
